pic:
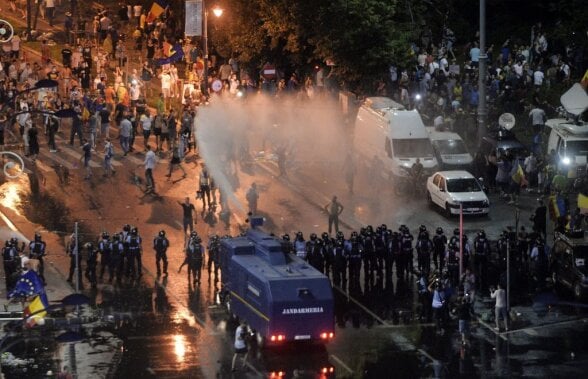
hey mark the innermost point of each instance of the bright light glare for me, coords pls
(180, 347)
(418, 96)
(217, 11)
(10, 197)
(566, 161)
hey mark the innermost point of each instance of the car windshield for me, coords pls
(577, 148)
(463, 185)
(450, 146)
(412, 148)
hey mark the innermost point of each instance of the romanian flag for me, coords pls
(172, 53)
(519, 177)
(35, 311)
(557, 207)
(157, 9)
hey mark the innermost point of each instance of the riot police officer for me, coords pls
(11, 260)
(105, 256)
(133, 243)
(213, 255)
(340, 259)
(380, 241)
(160, 245)
(392, 253)
(300, 246)
(407, 265)
(37, 251)
(453, 261)
(440, 245)
(314, 254)
(424, 247)
(369, 254)
(117, 256)
(91, 263)
(354, 251)
(287, 245)
(194, 258)
(481, 253)
(327, 252)
(75, 263)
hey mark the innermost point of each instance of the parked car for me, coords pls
(450, 150)
(502, 141)
(451, 190)
(569, 257)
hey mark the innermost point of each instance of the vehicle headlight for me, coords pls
(486, 203)
(566, 160)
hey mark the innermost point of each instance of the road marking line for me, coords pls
(535, 328)
(402, 326)
(375, 316)
(340, 363)
(501, 335)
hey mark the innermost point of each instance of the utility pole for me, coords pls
(482, 110)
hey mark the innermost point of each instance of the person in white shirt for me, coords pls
(240, 344)
(500, 308)
(165, 84)
(15, 45)
(149, 164)
(538, 77)
(146, 120)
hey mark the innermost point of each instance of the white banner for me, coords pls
(193, 18)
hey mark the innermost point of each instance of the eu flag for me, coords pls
(29, 284)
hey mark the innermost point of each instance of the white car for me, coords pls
(452, 189)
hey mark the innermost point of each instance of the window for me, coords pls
(442, 183)
(463, 185)
(410, 148)
(450, 146)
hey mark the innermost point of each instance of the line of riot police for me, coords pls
(378, 251)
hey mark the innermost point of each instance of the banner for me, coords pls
(193, 25)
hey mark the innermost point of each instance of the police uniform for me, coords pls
(37, 251)
(194, 258)
(213, 255)
(133, 242)
(75, 261)
(10, 258)
(117, 251)
(424, 246)
(92, 263)
(340, 264)
(439, 245)
(160, 245)
(105, 257)
(406, 253)
(354, 250)
(481, 252)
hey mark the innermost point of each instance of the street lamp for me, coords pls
(217, 12)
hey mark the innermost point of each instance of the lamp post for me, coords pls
(482, 64)
(217, 12)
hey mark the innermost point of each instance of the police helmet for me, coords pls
(439, 230)
(126, 228)
(369, 228)
(384, 227)
(422, 228)
(325, 236)
(162, 233)
(286, 237)
(388, 232)
(215, 237)
(14, 241)
(354, 235)
(89, 245)
(313, 236)
(362, 231)
(105, 235)
(340, 235)
(7, 243)
(395, 234)
(456, 232)
(340, 242)
(193, 234)
(37, 237)
(402, 228)
(482, 234)
(116, 236)
(424, 235)
(197, 239)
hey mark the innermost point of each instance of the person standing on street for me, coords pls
(125, 134)
(539, 218)
(188, 219)
(160, 245)
(75, 263)
(252, 196)
(204, 181)
(87, 157)
(108, 154)
(37, 251)
(50, 11)
(149, 164)
(241, 335)
(500, 308)
(334, 209)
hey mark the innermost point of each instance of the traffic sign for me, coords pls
(217, 85)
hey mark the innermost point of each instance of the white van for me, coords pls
(388, 135)
(450, 150)
(569, 136)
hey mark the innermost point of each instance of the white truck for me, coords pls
(569, 135)
(388, 135)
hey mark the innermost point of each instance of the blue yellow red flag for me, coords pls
(157, 8)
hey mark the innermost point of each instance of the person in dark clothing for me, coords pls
(464, 312)
(188, 220)
(539, 218)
